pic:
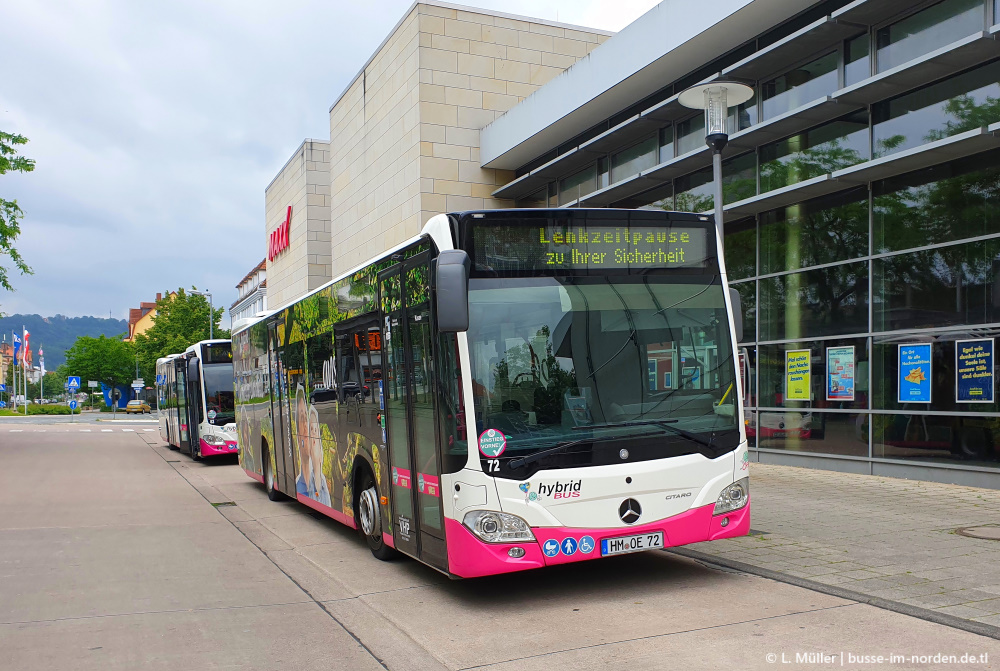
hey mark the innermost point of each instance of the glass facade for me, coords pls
(858, 273)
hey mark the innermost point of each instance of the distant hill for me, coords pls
(57, 334)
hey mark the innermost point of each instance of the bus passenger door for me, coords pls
(410, 412)
(180, 384)
(284, 468)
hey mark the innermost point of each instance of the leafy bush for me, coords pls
(40, 410)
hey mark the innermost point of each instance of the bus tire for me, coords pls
(272, 493)
(369, 516)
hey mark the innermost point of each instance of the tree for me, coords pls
(181, 320)
(10, 213)
(107, 360)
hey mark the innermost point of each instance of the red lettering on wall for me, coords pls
(278, 242)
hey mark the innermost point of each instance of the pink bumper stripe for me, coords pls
(256, 476)
(468, 557)
(213, 450)
(327, 510)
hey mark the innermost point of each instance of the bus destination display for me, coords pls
(557, 247)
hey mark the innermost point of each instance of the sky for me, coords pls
(156, 127)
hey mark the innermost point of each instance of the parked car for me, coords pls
(137, 407)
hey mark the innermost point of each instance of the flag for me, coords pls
(17, 347)
(26, 359)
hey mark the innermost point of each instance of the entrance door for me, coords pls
(411, 425)
(184, 432)
(284, 463)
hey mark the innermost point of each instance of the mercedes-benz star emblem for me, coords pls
(629, 511)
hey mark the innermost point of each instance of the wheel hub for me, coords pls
(369, 511)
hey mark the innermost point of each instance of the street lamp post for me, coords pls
(716, 98)
(211, 312)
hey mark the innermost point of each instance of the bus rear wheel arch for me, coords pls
(368, 513)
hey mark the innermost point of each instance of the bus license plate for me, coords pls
(637, 543)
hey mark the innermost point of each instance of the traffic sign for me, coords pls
(73, 382)
(3, 387)
(92, 384)
(72, 405)
(137, 385)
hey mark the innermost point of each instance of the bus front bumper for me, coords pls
(469, 557)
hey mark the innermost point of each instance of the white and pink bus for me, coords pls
(195, 399)
(510, 389)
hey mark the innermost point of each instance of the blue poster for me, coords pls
(974, 371)
(915, 373)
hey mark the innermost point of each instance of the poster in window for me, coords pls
(915, 373)
(974, 382)
(798, 377)
(840, 373)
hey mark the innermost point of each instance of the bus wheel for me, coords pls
(195, 451)
(272, 493)
(370, 519)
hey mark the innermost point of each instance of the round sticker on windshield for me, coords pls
(492, 443)
(211, 414)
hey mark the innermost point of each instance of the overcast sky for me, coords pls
(157, 125)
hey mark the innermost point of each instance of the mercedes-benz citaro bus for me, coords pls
(508, 390)
(195, 399)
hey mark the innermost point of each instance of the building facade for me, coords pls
(861, 187)
(141, 318)
(252, 292)
(404, 138)
(862, 208)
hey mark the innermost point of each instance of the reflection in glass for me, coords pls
(830, 147)
(748, 296)
(947, 202)
(971, 441)
(805, 431)
(577, 185)
(824, 301)
(666, 144)
(824, 230)
(552, 356)
(857, 63)
(938, 287)
(633, 160)
(690, 134)
(927, 30)
(741, 249)
(800, 86)
(695, 191)
(951, 106)
(773, 380)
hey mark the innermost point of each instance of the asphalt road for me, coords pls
(116, 553)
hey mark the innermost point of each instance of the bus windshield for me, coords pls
(219, 396)
(558, 359)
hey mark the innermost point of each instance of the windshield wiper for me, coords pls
(663, 423)
(524, 461)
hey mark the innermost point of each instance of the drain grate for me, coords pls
(224, 503)
(758, 532)
(986, 532)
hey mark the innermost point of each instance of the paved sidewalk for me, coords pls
(883, 537)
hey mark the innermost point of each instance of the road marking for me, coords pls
(149, 430)
(40, 430)
(132, 430)
(105, 430)
(16, 430)
(85, 430)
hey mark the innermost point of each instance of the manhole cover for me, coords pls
(989, 532)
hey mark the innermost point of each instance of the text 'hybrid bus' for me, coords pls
(194, 396)
(511, 389)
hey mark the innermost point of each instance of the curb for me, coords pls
(971, 626)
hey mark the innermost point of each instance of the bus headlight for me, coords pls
(213, 439)
(733, 497)
(494, 527)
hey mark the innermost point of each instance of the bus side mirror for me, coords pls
(452, 282)
(734, 298)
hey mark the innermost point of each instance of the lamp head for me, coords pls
(716, 98)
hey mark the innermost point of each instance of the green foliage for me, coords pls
(10, 213)
(107, 360)
(181, 320)
(57, 334)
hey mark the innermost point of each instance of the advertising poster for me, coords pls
(797, 374)
(840, 373)
(974, 371)
(915, 373)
